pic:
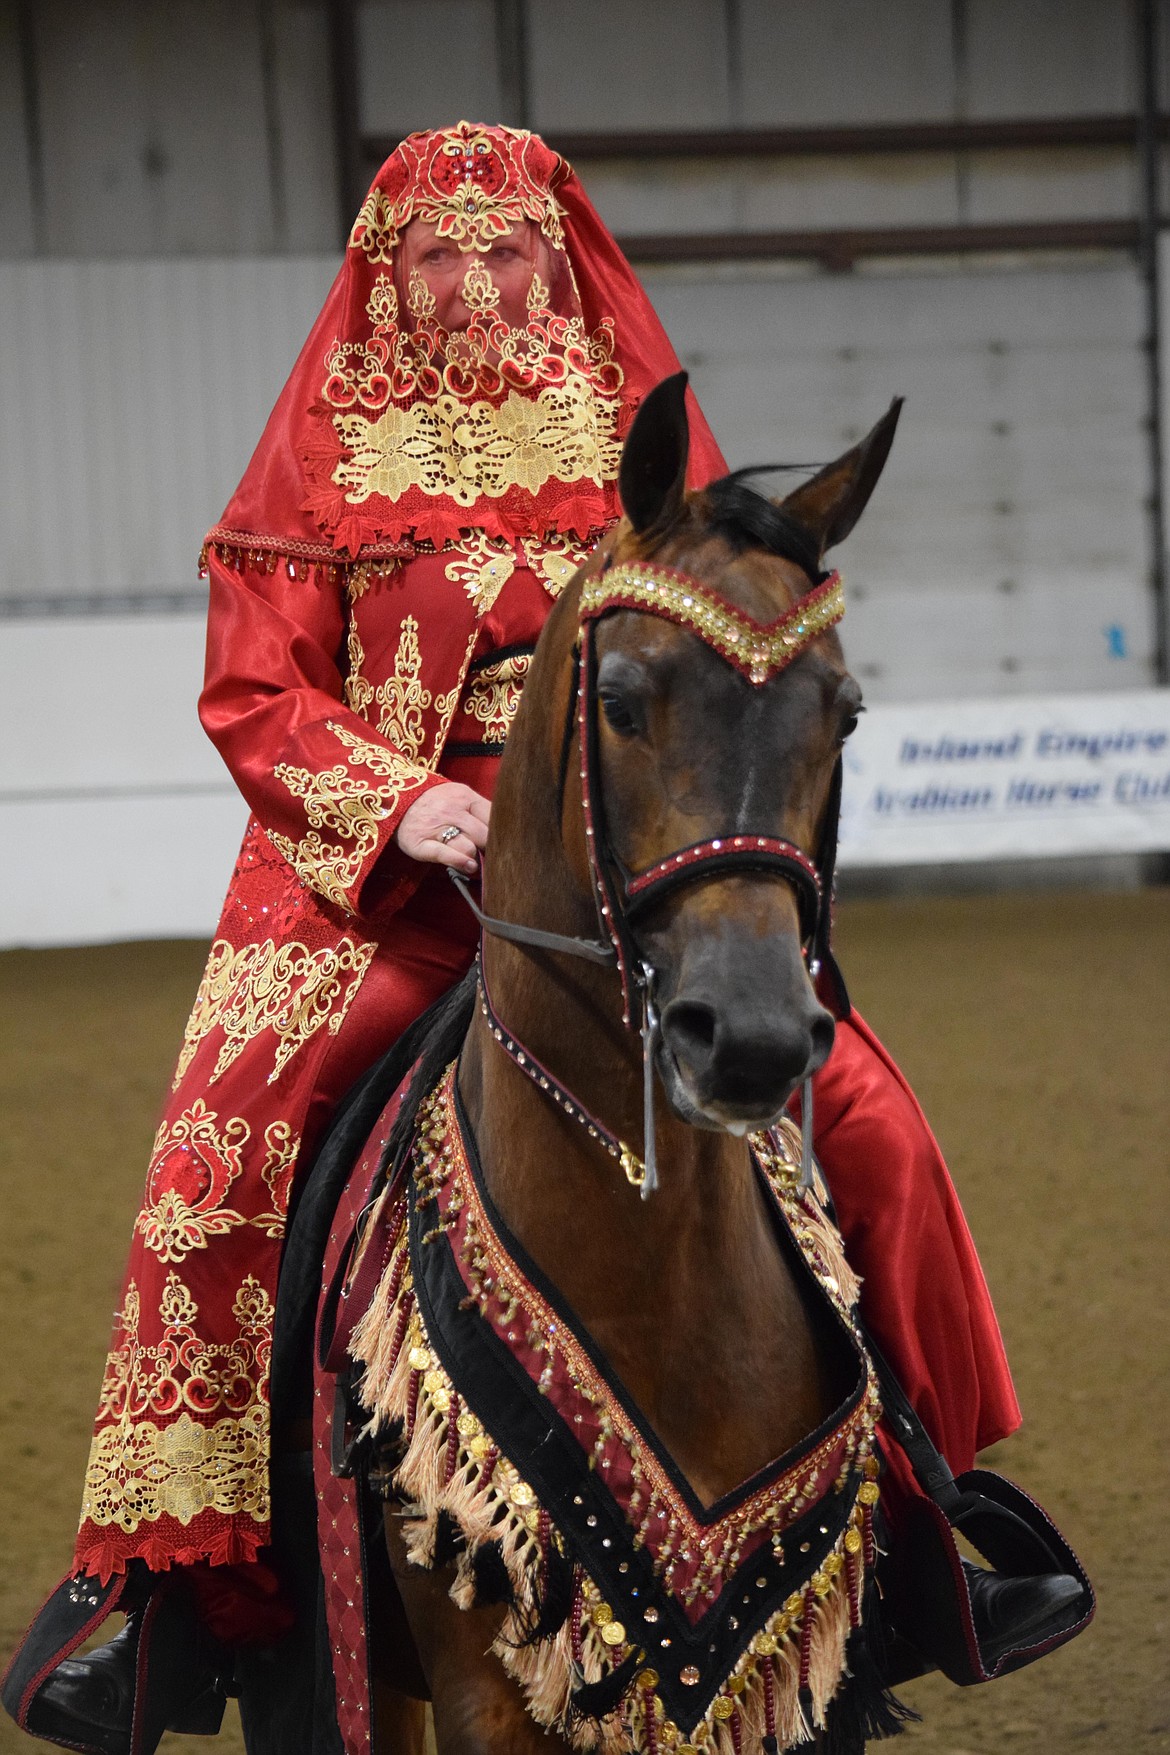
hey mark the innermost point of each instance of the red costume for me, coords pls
(378, 581)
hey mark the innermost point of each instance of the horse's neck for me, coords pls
(687, 1293)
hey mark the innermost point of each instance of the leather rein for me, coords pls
(759, 651)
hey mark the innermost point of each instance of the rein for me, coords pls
(759, 651)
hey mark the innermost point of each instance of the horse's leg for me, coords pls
(478, 1709)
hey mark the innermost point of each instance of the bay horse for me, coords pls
(671, 776)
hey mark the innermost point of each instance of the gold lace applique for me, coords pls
(287, 989)
(482, 565)
(474, 450)
(277, 1170)
(420, 298)
(192, 1166)
(493, 695)
(353, 807)
(554, 559)
(140, 1470)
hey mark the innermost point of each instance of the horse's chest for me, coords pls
(632, 1598)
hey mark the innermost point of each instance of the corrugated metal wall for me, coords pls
(1004, 551)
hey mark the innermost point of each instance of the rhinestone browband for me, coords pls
(758, 650)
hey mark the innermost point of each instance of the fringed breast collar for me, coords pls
(637, 1619)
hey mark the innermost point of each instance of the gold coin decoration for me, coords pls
(420, 1359)
(613, 1633)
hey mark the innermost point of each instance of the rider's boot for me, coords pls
(1014, 1612)
(90, 1701)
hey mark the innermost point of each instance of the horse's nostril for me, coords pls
(690, 1029)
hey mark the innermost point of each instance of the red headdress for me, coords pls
(386, 436)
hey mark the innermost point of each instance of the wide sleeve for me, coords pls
(328, 790)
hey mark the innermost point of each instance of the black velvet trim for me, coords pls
(518, 649)
(463, 747)
(529, 1431)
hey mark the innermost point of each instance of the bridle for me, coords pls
(759, 651)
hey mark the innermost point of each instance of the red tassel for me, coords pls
(768, 1676)
(412, 1403)
(452, 1439)
(806, 1635)
(575, 1621)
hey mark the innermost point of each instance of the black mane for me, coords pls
(749, 520)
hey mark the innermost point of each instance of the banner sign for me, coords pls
(1019, 777)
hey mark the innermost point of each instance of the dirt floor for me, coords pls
(1035, 1029)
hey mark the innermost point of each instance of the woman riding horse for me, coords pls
(443, 457)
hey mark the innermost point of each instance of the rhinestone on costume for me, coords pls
(688, 1675)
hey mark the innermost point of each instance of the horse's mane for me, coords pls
(748, 519)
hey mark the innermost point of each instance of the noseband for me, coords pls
(759, 651)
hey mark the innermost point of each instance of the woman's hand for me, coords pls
(424, 832)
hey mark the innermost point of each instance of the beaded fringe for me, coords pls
(451, 1476)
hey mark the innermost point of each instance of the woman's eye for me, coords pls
(617, 712)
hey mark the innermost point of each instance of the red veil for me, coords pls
(380, 443)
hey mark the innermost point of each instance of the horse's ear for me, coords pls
(831, 503)
(652, 478)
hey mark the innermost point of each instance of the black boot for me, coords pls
(90, 1701)
(1015, 1612)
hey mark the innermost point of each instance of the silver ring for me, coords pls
(449, 834)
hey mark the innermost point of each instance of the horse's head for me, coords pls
(694, 749)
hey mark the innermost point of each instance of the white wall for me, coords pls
(117, 818)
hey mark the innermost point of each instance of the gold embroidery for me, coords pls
(486, 357)
(402, 699)
(376, 227)
(192, 1167)
(480, 292)
(359, 691)
(554, 559)
(353, 807)
(474, 450)
(493, 695)
(277, 1170)
(483, 567)
(420, 298)
(287, 989)
(140, 1470)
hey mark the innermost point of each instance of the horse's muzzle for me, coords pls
(739, 1034)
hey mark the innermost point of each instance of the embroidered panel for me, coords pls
(468, 452)
(277, 1171)
(493, 694)
(554, 559)
(288, 989)
(192, 1166)
(156, 1453)
(472, 183)
(639, 1620)
(354, 807)
(482, 565)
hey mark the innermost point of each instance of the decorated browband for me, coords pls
(758, 650)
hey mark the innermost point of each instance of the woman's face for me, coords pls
(511, 262)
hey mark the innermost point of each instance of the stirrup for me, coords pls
(173, 1679)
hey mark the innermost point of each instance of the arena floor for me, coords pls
(1035, 1029)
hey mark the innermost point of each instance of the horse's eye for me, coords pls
(619, 714)
(850, 726)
